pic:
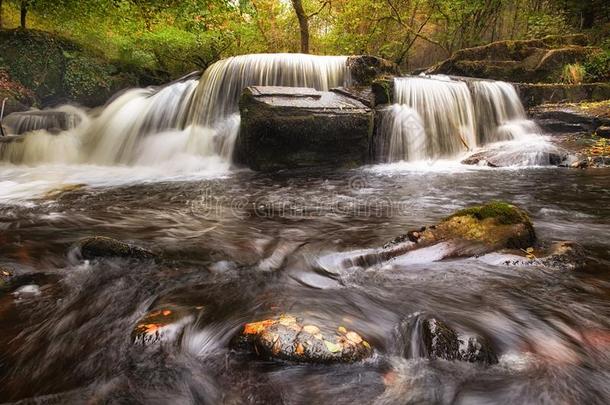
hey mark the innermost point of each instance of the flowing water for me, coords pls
(246, 246)
(440, 117)
(240, 247)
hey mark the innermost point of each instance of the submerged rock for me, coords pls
(162, 324)
(286, 338)
(97, 247)
(287, 127)
(434, 339)
(563, 255)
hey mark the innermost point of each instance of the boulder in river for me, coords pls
(434, 339)
(288, 127)
(286, 338)
(492, 226)
(98, 247)
(162, 324)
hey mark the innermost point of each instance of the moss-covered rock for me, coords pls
(98, 247)
(287, 338)
(530, 61)
(496, 224)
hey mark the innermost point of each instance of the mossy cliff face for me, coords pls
(58, 70)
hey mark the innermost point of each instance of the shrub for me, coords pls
(573, 73)
(597, 67)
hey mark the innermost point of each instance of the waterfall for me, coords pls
(185, 118)
(499, 112)
(439, 117)
(59, 119)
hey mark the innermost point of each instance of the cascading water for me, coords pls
(186, 118)
(438, 117)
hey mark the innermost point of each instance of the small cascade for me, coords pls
(186, 118)
(499, 112)
(55, 120)
(438, 123)
(222, 83)
(439, 117)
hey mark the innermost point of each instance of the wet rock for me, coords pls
(49, 120)
(364, 69)
(162, 324)
(98, 247)
(284, 128)
(567, 118)
(440, 340)
(495, 156)
(6, 274)
(286, 338)
(563, 255)
(470, 232)
(476, 349)
(432, 338)
(603, 131)
(496, 224)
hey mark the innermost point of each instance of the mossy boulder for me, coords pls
(99, 247)
(495, 225)
(365, 69)
(287, 338)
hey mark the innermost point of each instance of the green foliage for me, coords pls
(573, 73)
(85, 77)
(543, 24)
(597, 68)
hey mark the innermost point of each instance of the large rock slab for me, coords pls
(288, 127)
(533, 61)
(542, 93)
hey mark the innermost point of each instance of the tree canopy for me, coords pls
(179, 36)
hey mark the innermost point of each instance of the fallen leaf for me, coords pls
(300, 349)
(353, 337)
(166, 312)
(332, 347)
(255, 328)
(342, 330)
(311, 329)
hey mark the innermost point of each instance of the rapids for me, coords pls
(248, 245)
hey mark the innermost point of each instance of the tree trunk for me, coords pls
(303, 23)
(24, 13)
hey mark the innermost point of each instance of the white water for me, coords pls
(438, 118)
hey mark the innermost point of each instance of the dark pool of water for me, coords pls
(249, 246)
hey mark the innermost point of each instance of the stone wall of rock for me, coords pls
(286, 127)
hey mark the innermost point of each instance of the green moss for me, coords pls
(503, 212)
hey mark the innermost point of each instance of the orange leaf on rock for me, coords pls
(255, 328)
